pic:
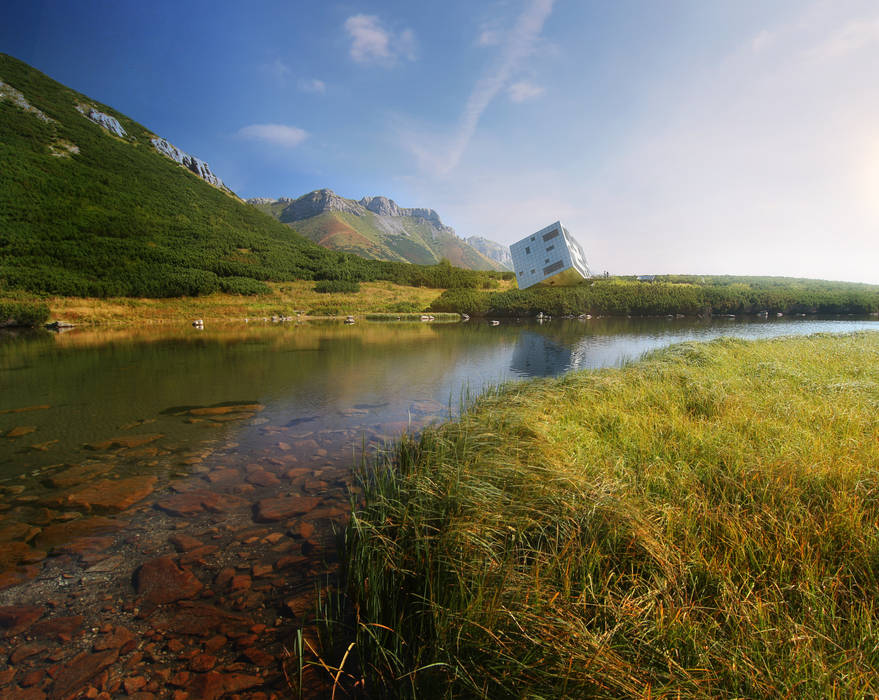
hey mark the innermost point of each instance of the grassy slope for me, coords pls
(118, 217)
(704, 522)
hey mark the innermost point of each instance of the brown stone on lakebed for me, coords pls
(262, 477)
(197, 501)
(14, 553)
(17, 618)
(108, 495)
(125, 441)
(222, 410)
(76, 474)
(19, 575)
(213, 685)
(21, 430)
(271, 510)
(119, 638)
(201, 620)
(61, 628)
(183, 542)
(162, 581)
(13, 530)
(70, 678)
(61, 533)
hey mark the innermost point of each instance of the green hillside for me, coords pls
(84, 212)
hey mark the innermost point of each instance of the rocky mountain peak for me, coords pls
(381, 206)
(318, 202)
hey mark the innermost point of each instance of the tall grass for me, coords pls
(702, 523)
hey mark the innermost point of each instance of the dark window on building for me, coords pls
(546, 261)
(552, 268)
(532, 270)
(532, 238)
(552, 234)
(527, 250)
(552, 247)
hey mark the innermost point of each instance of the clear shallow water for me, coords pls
(358, 381)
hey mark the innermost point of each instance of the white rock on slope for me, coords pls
(196, 165)
(7, 92)
(111, 124)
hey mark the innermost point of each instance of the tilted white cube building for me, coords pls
(550, 256)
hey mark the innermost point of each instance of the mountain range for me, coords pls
(379, 229)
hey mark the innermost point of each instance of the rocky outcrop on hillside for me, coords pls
(196, 165)
(10, 94)
(495, 251)
(111, 124)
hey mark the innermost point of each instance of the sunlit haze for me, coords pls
(669, 137)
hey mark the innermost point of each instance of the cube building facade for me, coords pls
(549, 256)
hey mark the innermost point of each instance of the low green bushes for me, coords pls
(669, 295)
(22, 313)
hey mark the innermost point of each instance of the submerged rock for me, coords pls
(111, 495)
(162, 581)
(273, 509)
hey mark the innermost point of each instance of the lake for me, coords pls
(189, 485)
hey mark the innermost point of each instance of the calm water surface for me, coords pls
(229, 451)
(372, 379)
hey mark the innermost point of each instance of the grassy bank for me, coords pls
(672, 294)
(285, 299)
(702, 523)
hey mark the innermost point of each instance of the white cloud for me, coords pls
(440, 155)
(852, 37)
(276, 134)
(312, 85)
(372, 42)
(524, 90)
(488, 37)
(277, 69)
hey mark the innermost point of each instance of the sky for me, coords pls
(673, 136)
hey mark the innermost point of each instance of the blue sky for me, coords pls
(673, 136)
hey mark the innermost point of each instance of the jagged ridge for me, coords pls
(375, 227)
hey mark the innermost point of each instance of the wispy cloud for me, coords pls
(312, 85)
(517, 45)
(849, 38)
(277, 134)
(524, 90)
(372, 42)
(277, 69)
(488, 37)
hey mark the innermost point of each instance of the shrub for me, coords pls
(23, 313)
(243, 285)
